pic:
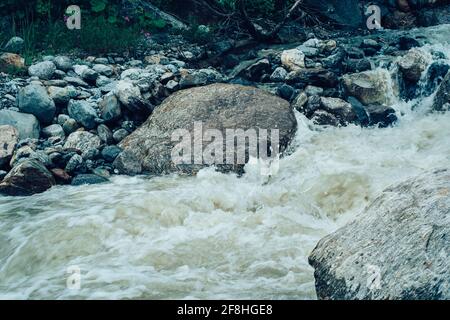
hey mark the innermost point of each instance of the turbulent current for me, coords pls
(215, 235)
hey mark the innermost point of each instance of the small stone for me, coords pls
(54, 130)
(63, 63)
(279, 75)
(70, 126)
(120, 134)
(86, 179)
(9, 137)
(105, 134)
(110, 153)
(83, 112)
(293, 59)
(74, 163)
(110, 108)
(103, 69)
(82, 140)
(61, 176)
(42, 70)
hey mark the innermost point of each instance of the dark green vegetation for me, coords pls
(109, 25)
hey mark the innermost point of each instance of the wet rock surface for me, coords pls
(396, 249)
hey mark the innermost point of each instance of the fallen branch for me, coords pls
(257, 31)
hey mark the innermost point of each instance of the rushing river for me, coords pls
(214, 235)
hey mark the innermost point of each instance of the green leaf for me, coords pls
(98, 5)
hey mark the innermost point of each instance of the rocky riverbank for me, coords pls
(73, 115)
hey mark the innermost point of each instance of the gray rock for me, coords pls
(63, 63)
(105, 134)
(443, 94)
(110, 153)
(70, 125)
(341, 109)
(62, 95)
(120, 134)
(192, 78)
(218, 106)
(110, 108)
(257, 70)
(27, 124)
(103, 70)
(82, 140)
(369, 87)
(396, 249)
(279, 75)
(83, 112)
(54, 130)
(413, 64)
(76, 81)
(293, 59)
(9, 137)
(172, 85)
(42, 70)
(131, 98)
(14, 45)
(85, 179)
(74, 163)
(89, 75)
(27, 178)
(34, 99)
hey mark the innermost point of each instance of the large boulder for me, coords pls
(27, 178)
(9, 137)
(396, 249)
(217, 106)
(370, 87)
(27, 124)
(34, 99)
(442, 97)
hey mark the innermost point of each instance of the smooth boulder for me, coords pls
(217, 106)
(27, 178)
(396, 249)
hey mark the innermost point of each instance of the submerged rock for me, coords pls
(396, 249)
(27, 178)
(217, 106)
